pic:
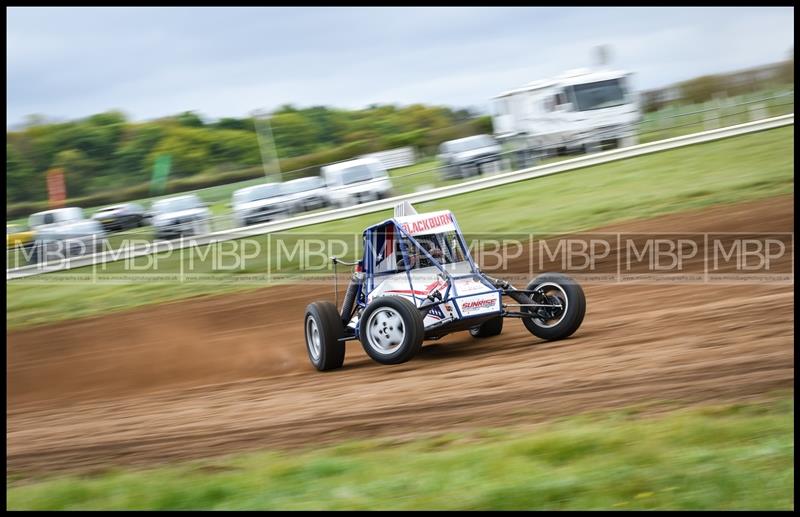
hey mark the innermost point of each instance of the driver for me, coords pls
(418, 259)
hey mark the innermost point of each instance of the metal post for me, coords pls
(266, 143)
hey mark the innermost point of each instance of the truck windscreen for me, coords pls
(356, 174)
(602, 94)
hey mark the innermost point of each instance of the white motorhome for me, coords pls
(578, 110)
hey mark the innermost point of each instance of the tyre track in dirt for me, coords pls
(214, 375)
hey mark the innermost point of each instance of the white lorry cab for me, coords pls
(579, 110)
(356, 181)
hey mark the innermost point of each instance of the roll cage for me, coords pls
(390, 236)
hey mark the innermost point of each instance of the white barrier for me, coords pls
(416, 197)
(394, 158)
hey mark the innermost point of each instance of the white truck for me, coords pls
(65, 232)
(579, 110)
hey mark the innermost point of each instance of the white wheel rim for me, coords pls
(551, 289)
(385, 331)
(313, 339)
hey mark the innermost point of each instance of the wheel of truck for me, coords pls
(324, 327)
(489, 328)
(562, 320)
(391, 330)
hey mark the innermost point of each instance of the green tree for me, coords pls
(189, 148)
(189, 119)
(20, 177)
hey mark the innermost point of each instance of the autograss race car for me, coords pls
(417, 281)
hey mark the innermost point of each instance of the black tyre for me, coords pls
(323, 328)
(391, 330)
(492, 327)
(560, 290)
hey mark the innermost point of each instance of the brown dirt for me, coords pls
(214, 375)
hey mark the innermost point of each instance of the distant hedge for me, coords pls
(425, 141)
(106, 152)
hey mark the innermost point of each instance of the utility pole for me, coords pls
(602, 55)
(266, 143)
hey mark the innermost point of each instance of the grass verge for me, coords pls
(735, 456)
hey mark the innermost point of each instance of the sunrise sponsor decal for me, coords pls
(479, 304)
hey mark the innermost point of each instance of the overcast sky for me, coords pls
(148, 62)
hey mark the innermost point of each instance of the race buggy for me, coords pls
(417, 281)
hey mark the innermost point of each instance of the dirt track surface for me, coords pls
(215, 375)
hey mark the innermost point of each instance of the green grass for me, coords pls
(732, 457)
(748, 167)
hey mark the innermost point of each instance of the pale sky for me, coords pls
(68, 63)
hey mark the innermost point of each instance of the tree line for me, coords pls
(106, 157)
(708, 87)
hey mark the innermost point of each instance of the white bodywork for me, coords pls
(559, 112)
(356, 181)
(468, 294)
(480, 299)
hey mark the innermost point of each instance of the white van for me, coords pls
(356, 181)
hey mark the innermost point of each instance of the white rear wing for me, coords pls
(403, 209)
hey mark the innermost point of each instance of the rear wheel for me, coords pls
(567, 311)
(391, 330)
(492, 327)
(323, 327)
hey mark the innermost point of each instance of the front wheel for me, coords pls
(324, 328)
(566, 307)
(391, 330)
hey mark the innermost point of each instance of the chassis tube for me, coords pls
(509, 290)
